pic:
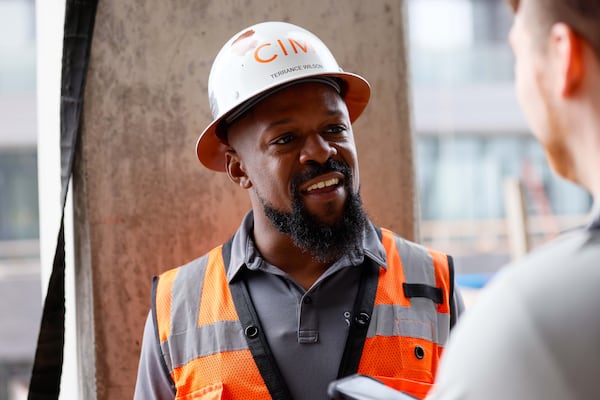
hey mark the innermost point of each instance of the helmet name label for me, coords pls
(294, 69)
(268, 52)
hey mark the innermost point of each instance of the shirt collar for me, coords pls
(245, 254)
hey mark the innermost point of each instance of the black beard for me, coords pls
(324, 242)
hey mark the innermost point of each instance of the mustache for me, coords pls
(316, 169)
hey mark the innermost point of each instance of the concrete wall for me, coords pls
(142, 201)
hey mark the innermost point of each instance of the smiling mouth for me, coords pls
(323, 184)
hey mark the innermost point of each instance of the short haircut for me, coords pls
(583, 16)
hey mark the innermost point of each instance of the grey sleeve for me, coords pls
(153, 381)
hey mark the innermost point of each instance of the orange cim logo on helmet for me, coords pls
(294, 45)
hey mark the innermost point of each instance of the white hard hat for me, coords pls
(257, 61)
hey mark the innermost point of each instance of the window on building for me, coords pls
(471, 136)
(18, 195)
(20, 294)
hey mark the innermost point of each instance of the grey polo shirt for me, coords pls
(306, 329)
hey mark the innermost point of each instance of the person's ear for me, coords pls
(236, 170)
(567, 49)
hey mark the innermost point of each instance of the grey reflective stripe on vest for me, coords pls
(420, 320)
(416, 262)
(200, 341)
(187, 340)
(395, 320)
(185, 298)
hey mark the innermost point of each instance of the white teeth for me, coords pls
(322, 184)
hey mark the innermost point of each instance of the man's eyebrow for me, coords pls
(335, 112)
(287, 120)
(282, 121)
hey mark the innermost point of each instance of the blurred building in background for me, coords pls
(20, 291)
(471, 136)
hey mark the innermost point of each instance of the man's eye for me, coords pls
(336, 129)
(285, 139)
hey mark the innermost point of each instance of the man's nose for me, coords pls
(317, 149)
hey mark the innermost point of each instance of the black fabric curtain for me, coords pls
(78, 31)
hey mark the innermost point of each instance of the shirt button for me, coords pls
(307, 300)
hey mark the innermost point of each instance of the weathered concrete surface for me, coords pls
(143, 202)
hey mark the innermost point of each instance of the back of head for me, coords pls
(583, 16)
(557, 78)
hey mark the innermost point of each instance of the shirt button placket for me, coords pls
(308, 325)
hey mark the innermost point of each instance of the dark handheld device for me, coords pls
(362, 387)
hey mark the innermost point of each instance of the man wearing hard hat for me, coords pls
(308, 289)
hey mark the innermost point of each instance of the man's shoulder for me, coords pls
(386, 232)
(565, 255)
(554, 281)
(183, 277)
(410, 243)
(193, 264)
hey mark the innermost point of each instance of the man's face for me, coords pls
(534, 87)
(297, 152)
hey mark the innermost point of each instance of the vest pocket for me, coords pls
(403, 363)
(212, 392)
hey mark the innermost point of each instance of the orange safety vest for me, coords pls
(208, 349)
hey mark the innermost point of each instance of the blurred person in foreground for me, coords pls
(535, 331)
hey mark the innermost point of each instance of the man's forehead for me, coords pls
(296, 97)
(288, 107)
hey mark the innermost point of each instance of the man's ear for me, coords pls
(567, 49)
(236, 170)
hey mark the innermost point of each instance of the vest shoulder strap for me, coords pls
(453, 315)
(361, 317)
(255, 336)
(362, 313)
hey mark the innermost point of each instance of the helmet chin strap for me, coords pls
(248, 104)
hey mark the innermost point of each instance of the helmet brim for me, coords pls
(211, 150)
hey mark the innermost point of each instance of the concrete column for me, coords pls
(142, 201)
